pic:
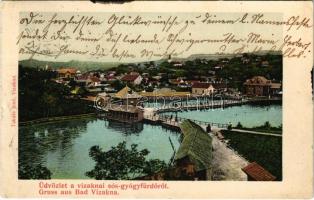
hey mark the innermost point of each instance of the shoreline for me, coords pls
(68, 117)
(55, 119)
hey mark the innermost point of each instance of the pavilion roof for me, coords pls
(127, 93)
(196, 145)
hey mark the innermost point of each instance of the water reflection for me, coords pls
(63, 146)
(36, 141)
(125, 128)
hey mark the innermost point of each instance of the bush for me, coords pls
(120, 163)
(229, 127)
(34, 172)
(267, 125)
(239, 125)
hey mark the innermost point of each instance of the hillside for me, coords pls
(90, 65)
(81, 65)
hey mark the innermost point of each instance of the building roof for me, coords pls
(258, 173)
(201, 85)
(192, 81)
(103, 94)
(175, 81)
(130, 77)
(83, 77)
(67, 70)
(94, 79)
(127, 92)
(220, 85)
(196, 145)
(165, 94)
(258, 80)
(124, 108)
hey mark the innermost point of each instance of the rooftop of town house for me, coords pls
(130, 77)
(258, 80)
(124, 108)
(258, 173)
(219, 85)
(103, 94)
(67, 70)
(94, 79)
(196, 145)
(127, 93)
(83, 77)
(275, 85)
(111, 77)
(192, 81)
(201, 85)
(163, 92)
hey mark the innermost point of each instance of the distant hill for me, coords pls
(216, 56)
(90, 65)
(81, 65)
(209, 56)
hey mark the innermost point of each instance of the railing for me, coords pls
(176, 120)
(184, 105)
(199, 105)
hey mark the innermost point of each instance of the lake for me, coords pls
(248, 115)
(63, 147)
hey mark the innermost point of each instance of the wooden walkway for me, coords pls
(200, 105)
(174, 122)
(178, 120)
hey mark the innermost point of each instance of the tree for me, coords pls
(41, 96)
(120, 163)
(34, 172)
(49, 101)
(267, 125)
(229, 126)
(239, 125)
(118, 85)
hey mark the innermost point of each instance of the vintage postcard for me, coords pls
(156, 99)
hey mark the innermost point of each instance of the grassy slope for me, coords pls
(265, 150)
